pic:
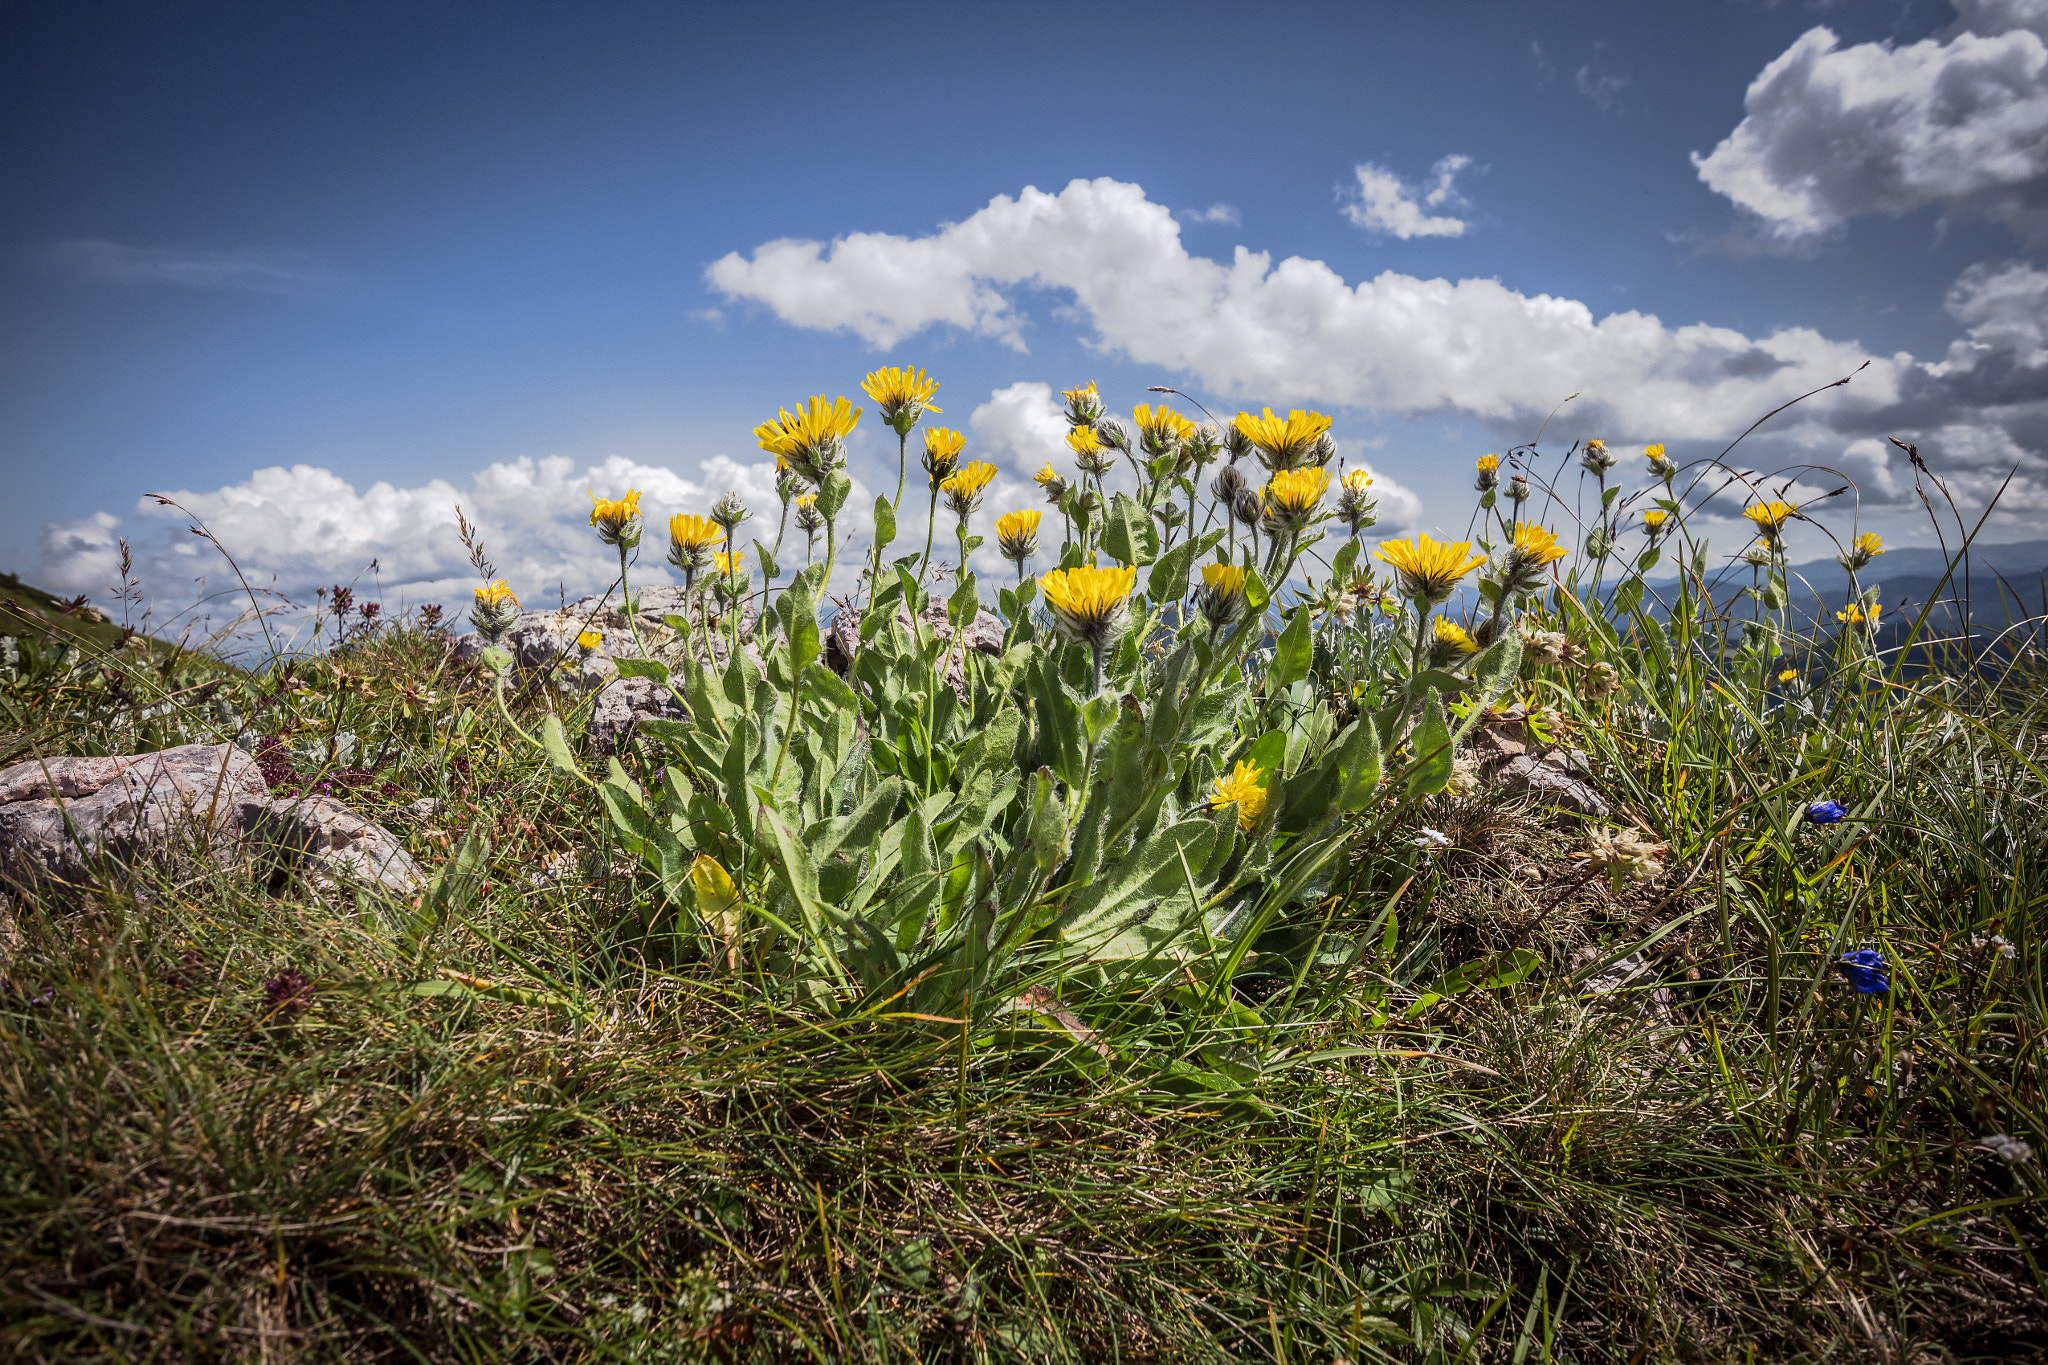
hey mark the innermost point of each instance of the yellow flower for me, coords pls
(1084, 405)
(1429, 570)
(1283, 440)
(1017, 534)
(1869, 545)
(941, 448)
(496, 595)
(963, 489)
(1655, 453)
(1045, 476)
(813, 438)
(1769, 516)
(1243, 790)
(497, 611)
(1083, 441)
(1220, 599)
(1790, 675)
(730, 565)
(1537, 543)
(901, 393)
(1356, 482)
(1293, 494)
(969, 478)
(1088, 605)
(1654, 519)
(617, 519)
(1488, 464)
(1085, 394)
(1453, 635)
(1855, 615)
(588, 640)
(693, 533)
(1162, 422)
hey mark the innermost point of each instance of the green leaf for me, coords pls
(554, 742)
(799, 874)
(1775, 595)
(797, 609)
(1168, 581)
(1256, 593)
(885, 523)
(1149, 872)
(827, 688)
(643, 668)
(1268, 755)
(964, 603)
(1128, 535)
(1047, 831)
(1430, 770)
(832, 493)
(1359, 759)
(1495, 672)
(1291, 653)
(1340, 568)
(767, 558)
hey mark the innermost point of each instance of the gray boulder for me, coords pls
(62, 819)
(621, 707)
(984, 635)
(331, 846)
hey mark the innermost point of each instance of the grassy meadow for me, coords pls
(1177, 983)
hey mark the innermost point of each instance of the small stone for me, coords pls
(333, 846)
(1551, 781)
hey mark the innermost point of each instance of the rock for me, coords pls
(622, 706)
(1552, 780)
(333, 846)
(984, 635)
(421, 812)
(62, 817)
(1630, 984)
(545, 642)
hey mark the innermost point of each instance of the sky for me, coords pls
(322, 273)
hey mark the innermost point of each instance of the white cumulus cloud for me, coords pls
(299, 528)
(1293, 331)
(1388, 204)
(1960, 121)
(1021, 427)
(81, 555)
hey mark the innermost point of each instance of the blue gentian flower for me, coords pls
(1826, 812)
(1865, 969)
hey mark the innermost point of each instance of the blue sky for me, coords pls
(415, 246)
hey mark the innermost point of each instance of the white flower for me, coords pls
(1432, 838)
(1993, 941)
(2007, 1149)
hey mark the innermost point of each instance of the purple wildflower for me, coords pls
(289, 994)
(1826, 812)
(1865, 969)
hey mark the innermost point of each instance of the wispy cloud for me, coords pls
(1386, 204)
(259, 270)
(1602, 89)
(1218, 212)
